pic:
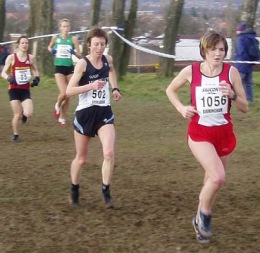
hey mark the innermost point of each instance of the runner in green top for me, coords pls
(63, 46)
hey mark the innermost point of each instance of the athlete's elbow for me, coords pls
(168, 91)
(246, 107)
(245, 110)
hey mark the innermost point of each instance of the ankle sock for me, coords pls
(105, 188)
(75, 187)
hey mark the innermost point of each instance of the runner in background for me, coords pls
(63, 46)
(18, 71)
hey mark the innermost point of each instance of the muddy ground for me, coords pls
(155, 185)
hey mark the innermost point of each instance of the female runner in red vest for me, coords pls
(213, 86)
(18, 70)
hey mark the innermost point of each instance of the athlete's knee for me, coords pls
(81, 160)
(17, 116)
(219, 179)
(66, 100)
(109, 155)
(27, 114)
(62, 96)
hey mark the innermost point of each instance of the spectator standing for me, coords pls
(4, 52)
(246, 49)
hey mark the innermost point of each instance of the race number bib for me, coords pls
(99, 97)
(22, 76)
(210, 101)
(63, 51)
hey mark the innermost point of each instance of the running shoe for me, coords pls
(108, 200)
(204, 224)
(24, 119)
(56, 111)
(74, 197)
(62, 122)
(200, 237)
(15, 137)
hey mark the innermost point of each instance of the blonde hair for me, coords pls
(63, 20)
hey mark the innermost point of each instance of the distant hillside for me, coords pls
(144, 5)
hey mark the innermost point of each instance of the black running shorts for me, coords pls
(19, 94)
(88, 120)
(64, 70)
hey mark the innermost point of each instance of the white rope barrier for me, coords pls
(131, 44)
(50, 35)
(146, 50)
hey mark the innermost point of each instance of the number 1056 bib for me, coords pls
(210, 101)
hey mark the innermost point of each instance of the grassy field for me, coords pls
(155, 185)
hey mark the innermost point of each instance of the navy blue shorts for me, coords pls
(89, 120)
(19, 94)
(64, 70)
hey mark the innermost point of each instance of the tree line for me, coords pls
(41, 18)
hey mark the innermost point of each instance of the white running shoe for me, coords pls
(62, 122)
(56, 111)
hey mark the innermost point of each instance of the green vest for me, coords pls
(63, 55)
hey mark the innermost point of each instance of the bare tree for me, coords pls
(170, 36)
(116, 45)
(40, 23)
(34, 12)
(128, 33)
(232, 17)
(248, 12)
(95, 12)
(94, 20)
(2, 15)
(121, 51)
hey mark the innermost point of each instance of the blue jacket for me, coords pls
(242, 43)
(4, 52)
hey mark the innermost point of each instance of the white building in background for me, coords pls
(186, 49)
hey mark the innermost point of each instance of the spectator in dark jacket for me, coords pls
(4, 52)
(243, 41)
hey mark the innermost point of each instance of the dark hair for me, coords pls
(209, 40)
(96, 32)
(20, 38)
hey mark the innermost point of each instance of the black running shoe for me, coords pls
(24, 119)
(107, 198)
(74, 198)
(15, 137)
